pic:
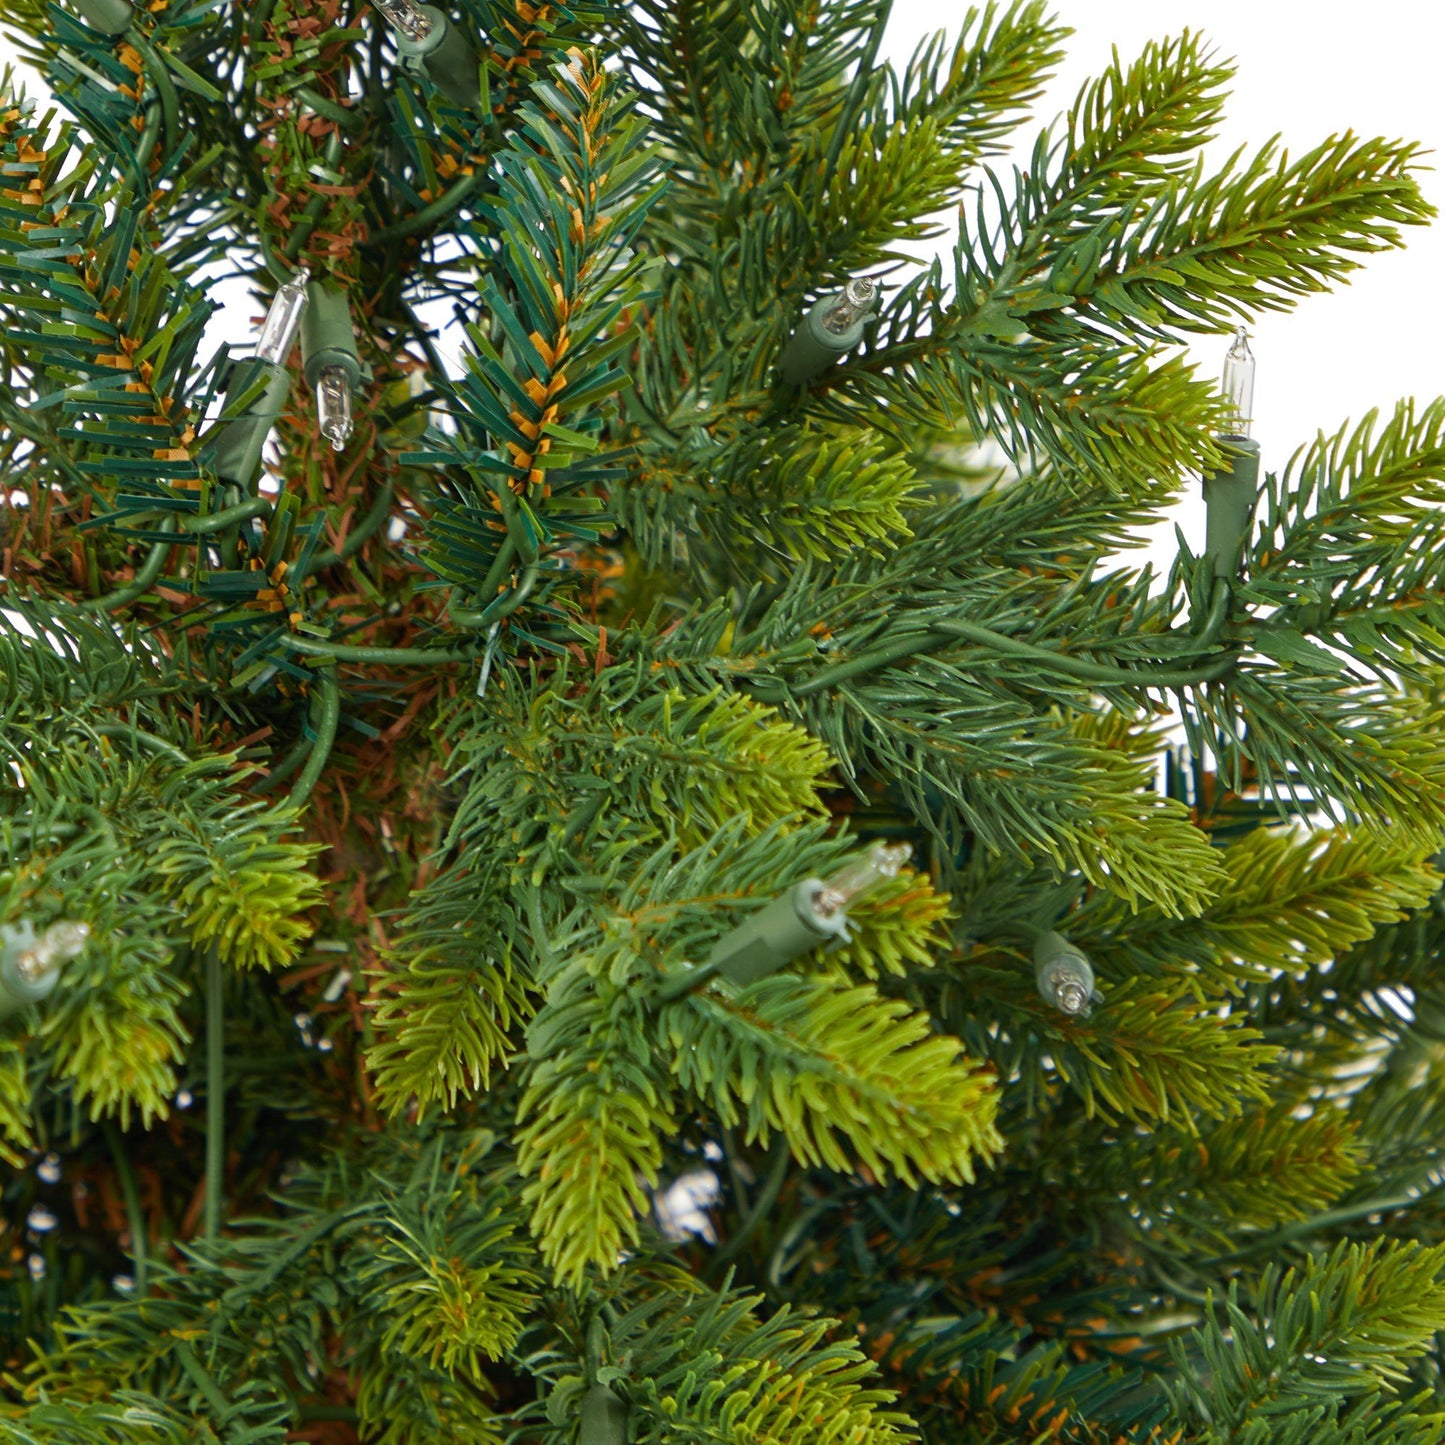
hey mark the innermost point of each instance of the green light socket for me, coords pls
(1063, 973)
(16, 991)
(238, 450)
(110, 17)
(812, 348)
(446, 58)
(602, 1418)
(774, 936)
(327, 336)
(1229, 498)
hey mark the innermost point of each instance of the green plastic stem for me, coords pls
(376, 514)
(423, 335)
(212, 521)
(772, 1186)
(144, 578)
(159, 76)
(306, 221)
(215, 1096)
(229, 516)
(134, 1217)
(288, 765)
(508, 602)
(1316, 1224)
(1089, 671)
(145, 146)
(146, 740)
(1220, 597)
(443, 206)
(462, 616)
(315, 647)
(328, 709)
(346, 119)
(945, 630)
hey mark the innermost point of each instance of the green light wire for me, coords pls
(939, 633)
(134, 1216)
(444, 204)
(341, 652)
(213, 521)
(160, 78)
(215, 1096)
(328, 708)
(378, 512)
(145, 576)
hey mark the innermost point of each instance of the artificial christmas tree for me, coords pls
(450, 821)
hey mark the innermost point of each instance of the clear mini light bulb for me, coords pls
(1066, 987)
(862, 875)
(1064, 975)
(58, 944)
(333, 405)
(278, 331)
(405, 17)
(1238, 384)
(853, 301)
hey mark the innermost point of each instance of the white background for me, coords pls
(1305, 71)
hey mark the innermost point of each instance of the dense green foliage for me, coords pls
(402, 790)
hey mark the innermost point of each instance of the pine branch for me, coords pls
(446, 1021)
(110, 821)
(1101, 411)
(1291, 900)
(1251, 237)
(999, 64)
(113, 328)
(1316, 739)
(822, 1064)
(1249, 1173)
(704, 1368)
(1296, 901)
(1339, 527)
(1333, 1329)
(368, 1258)
(15, 1104)
(1162, 1051)
(899, 926)
(821, 493)
(707, 98)
(592, 1118)
(576, 187)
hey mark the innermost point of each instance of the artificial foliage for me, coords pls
(406, 788)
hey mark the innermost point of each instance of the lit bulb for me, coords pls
(278, 332)
(405, 17)
(58, 944)
(1238, 384)
(853, 301)
(333, 405)
(862, 875)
